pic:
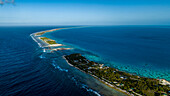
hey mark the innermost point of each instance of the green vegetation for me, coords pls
(40, 33)
(51, 42)
(44, 38)
(131, 83)
(47, 40)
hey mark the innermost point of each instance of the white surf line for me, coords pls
(32, 36)
(36, 37)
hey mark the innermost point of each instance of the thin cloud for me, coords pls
(2, 2)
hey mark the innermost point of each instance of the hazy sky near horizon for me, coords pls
(86, 12)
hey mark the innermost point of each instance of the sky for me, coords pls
(86, 12)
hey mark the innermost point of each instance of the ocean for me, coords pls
(26, 70)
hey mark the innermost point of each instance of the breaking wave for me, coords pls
(58, 67)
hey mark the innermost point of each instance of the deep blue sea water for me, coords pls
(26, 71)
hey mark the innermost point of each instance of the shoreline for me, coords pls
(50, 45)
(102, 81)
(45, 42)
(125, 79)
(35, 36)
(35, 40)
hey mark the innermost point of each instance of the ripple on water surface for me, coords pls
(25, 70)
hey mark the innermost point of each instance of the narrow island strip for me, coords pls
(47, 43)
(126, 83)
